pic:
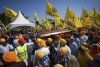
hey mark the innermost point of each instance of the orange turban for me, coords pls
(21, 40)
(25, 37)
(16, 37)
(41, 43)
(81, 33)
(9, 56)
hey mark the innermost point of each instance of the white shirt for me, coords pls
(15, 42)
(6, 48)
(68, 50)
(45, 50)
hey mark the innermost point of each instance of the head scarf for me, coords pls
(21, 40)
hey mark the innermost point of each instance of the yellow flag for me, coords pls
(68, 15)
(9, 12)
(51, 11)
(36, 16)
(64, 25)
(91, 19)
(97, 23)
(93, 14)
(77, 22)
(46, 24)
(69, 19)
(98, 17)
(58, 22)
(84, 13)
(84, 16)
(4, 26)
(87, 22)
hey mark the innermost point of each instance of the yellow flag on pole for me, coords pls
(93, 14)
(90, 20)
(51, 11)
(36, 16)
(77, 22)
(84, 16)
(84, 13)
(71, 20)
(9, 12)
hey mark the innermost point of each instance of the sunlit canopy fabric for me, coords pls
(20, 21)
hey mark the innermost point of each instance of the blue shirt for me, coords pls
(44, 62)
(77, 41)
(62, 60)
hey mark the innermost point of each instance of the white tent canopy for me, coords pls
(20, 21)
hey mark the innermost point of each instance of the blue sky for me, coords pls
(29, 6)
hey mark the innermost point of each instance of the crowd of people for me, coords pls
(70, 49)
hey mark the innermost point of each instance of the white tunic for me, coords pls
(68, 50)
(6, 48)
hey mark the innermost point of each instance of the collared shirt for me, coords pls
(77, 41)
(74, 48)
